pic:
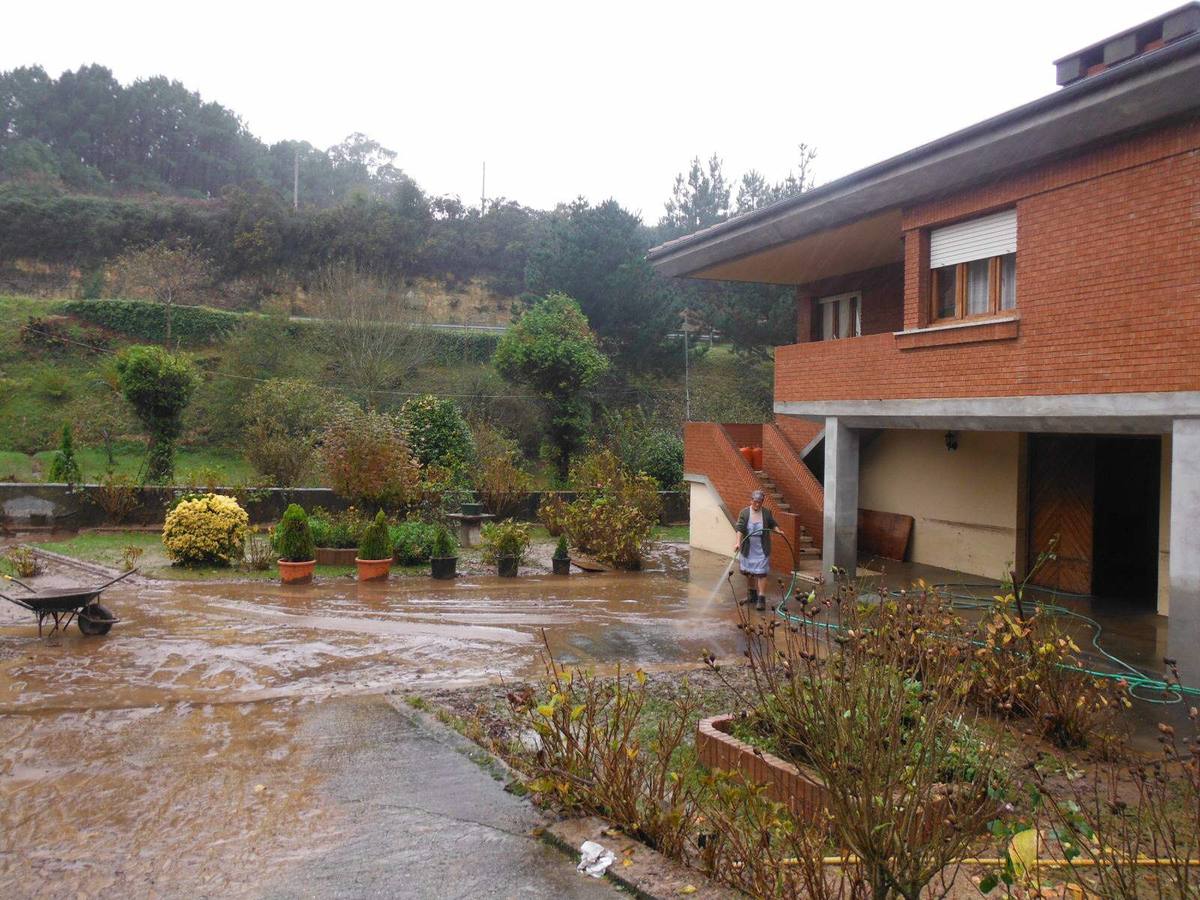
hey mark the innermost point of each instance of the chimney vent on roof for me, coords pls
(1144, 38)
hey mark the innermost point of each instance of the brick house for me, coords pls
(998, 342)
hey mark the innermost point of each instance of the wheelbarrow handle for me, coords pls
(108, 584)
(20, 582)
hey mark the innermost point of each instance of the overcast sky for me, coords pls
(600, 99)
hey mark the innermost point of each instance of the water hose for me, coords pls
(1133, 678)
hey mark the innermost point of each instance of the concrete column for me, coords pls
(840, 545)
(1184, 625)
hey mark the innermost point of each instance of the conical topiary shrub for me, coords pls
(374, 550)
(294, 542)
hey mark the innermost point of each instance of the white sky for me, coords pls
(600, 99)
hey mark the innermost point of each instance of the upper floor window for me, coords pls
(974, 267)
(841, 316)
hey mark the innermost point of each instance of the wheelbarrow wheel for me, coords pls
(95, 619)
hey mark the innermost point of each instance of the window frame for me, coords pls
(856, 319)
(960, 292)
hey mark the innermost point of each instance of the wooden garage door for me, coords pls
(1061, 503)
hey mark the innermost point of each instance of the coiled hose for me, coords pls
(1135, 679)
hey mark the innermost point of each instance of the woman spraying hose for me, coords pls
(754, 527)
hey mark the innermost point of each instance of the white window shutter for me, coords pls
(979, 238)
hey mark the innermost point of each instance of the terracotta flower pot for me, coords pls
(443, 567)
(507, 566)
(296, 572)
(561, 566)
(373, 569)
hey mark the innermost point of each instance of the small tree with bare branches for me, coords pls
(371, 332)
(170, 273)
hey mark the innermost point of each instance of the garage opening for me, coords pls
(1126, 532)
(1098, 496)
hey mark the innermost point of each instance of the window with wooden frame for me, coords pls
(974, 268)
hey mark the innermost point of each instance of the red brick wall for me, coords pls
(882, 300)
(709, 451)
(798, 485)
(1108, 288)
(744, 435)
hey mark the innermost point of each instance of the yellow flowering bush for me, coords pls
(210, 528)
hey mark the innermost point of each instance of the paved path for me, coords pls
(422, 818)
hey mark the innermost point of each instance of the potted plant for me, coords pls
(374, 560)
(444, 559)
(562, 558)
(505, 543)
(294, 542)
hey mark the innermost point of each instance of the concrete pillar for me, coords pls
(840, 545)
(1184, 564)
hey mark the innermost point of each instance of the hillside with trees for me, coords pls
(149, 192)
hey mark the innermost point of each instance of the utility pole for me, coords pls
(483, 192)
(687, 387)
(296, 179)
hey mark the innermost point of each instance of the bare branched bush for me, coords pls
(369, 330)
(117, 497)
(1133, 828)
(754, 844)
(878, 709)
(592, 753)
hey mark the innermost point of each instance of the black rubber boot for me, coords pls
(760, 602)
(751, 597)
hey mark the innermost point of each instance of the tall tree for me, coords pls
(596, 255)
(552, 350)
(699, 199)
(158, 385)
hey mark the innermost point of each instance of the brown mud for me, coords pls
(175, 755)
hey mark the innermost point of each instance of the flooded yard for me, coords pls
(196, 749)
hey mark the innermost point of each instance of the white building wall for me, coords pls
(710, 528)
(963, 502)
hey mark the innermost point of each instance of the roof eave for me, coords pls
(1145, 90)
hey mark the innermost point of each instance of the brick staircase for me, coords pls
(803, 540)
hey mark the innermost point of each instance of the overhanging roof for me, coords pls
(1150, 88)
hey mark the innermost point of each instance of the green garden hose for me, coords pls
(1134, 679)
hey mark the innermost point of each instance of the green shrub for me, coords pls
(412, 542)
(209, 528)
(661, 458)
(159, 386)
(444, 543)
(147, 321)
(437, 433)
(64, 468)
(613, 515)
(293, 537)
(376, 543)
(54, 386)
(561, 550)
(284, 419)
(338, 530)
(504, 540)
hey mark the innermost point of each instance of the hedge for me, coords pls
(147, 321)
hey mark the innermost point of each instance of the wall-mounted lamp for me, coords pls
(951, 440)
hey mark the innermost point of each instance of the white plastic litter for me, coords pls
(594, 859)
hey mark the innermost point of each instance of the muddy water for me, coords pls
(170, 757)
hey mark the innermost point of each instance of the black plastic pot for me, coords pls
(507, 566)
(561, 566)
(444, 567)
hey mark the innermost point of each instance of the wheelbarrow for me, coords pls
(64, 604)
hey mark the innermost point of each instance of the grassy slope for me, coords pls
(41, 391)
